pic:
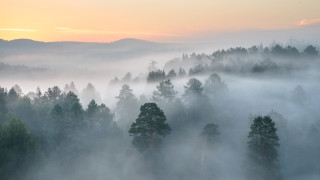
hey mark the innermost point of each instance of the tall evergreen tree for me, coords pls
(199, 108)
(3, 102)
(149, 128)
(12, 98)
(165, 92)
(181, 72)
(171, 74)
(262, 152)
(17, 149)
(92, 108)
(124, 110)
(193, 90)
(125, 93)
(69, 99)
(53, 94)
(214, 85)
(310, 51)
(193, 87)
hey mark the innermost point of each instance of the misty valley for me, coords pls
(135, 109)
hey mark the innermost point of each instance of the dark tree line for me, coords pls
(55, 123)
(52, 123)
(227, 61)
(255, 59)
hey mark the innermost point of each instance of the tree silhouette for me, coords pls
(310, 51)
(149, 128)
(262, 152)
(17, 149)
(156, 76)
(192, 89)
(171, 74)
(214, 85)
(165, 92)
(124, 110)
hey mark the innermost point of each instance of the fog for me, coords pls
(237, 85)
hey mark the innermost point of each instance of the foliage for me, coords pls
(17, 149)
(124, 110)
(181, 72)
(165, 92)
(193, 88)
(149, 127)
(3, 102)
(265, 65)
(278, 50)
(156, 76)
(214, 85)
(171, 74)
(198, 69)
(262, 144)
(53, 94)
(310, 51)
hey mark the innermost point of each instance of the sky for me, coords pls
(155, 20)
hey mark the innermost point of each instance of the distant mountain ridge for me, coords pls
(67, 53)
(120, 41)
(31, 46)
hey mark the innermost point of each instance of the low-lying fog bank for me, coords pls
(79, 129)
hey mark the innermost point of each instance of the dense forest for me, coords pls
(255, 60)
(211, 128)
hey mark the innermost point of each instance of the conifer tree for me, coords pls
(165, 92)
(149, 128)
(262, 152)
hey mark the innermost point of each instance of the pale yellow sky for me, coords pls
(105, 21)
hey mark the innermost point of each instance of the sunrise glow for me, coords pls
(105, 21)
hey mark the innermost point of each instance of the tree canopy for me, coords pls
(262, 149)
(149, 127)
(165, 92)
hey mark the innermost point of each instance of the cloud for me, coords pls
(306, 22)
(63, 28)
(26, 30)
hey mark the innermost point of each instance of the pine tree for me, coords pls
(125, 94)
(181, 72)
(263, 155)
(17, 149)
(69, 99)
(149, 128)
(193, 89)
(171, 74)
(53, 94)
(3, 102)
(165, 92)
(214, 85)
(124, 110)
(92, 108)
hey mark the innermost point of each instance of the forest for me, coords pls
(240, 113)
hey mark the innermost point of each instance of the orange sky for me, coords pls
(158, 20)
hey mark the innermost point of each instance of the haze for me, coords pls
(159, 90)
